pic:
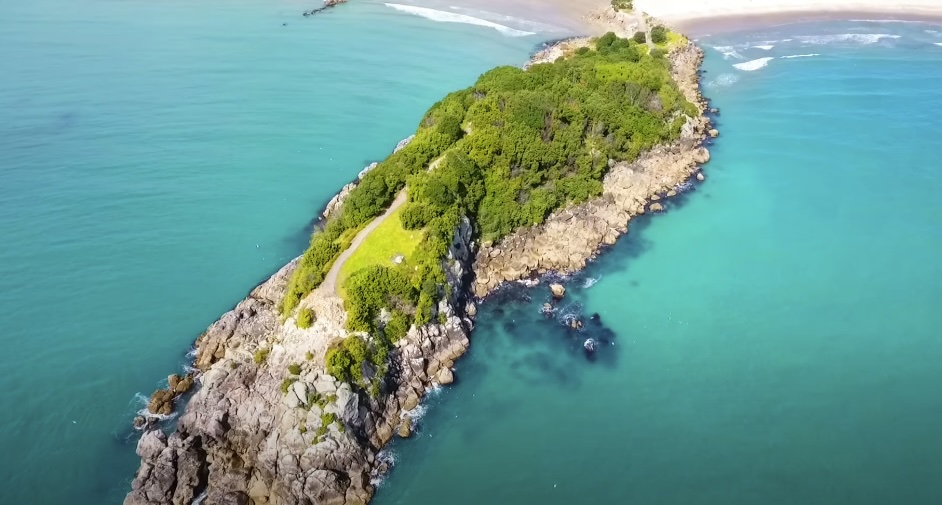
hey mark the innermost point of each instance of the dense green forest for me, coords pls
(507, 152)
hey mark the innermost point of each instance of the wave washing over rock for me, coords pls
(268, 425)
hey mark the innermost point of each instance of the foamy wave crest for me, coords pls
(588, 283)
(519, 23)
(938, 44)
(753, 65)
(932, 32)
(856, 38)
(452, 17)
(809, 55)
(415, 414)
(729, 52)
(764, 47)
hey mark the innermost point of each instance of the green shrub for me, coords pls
(658, 34)
(397, 327)
(640, 37)
(294, 369)
(261, 355)
(305, 318)
(309, 355)
(622, 5)
(285, 384)
(582, 50)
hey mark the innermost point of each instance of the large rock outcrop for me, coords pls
(256, 433)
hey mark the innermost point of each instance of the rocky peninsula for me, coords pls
(268, 424)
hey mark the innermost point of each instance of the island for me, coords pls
(527, 171)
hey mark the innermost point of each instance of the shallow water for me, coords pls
(775, 333)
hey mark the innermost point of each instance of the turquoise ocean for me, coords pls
(771, 339)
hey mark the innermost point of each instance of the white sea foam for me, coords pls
(855, 38)
(729, 52)
(938, 44)
(764, 47)
(589, 282)
(452, 17)
(809, 55)
(753, 65)
(932, 32)
(722, 81)
(513, 22)
(387, 457)
(684, 186)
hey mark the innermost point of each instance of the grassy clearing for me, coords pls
(380, 247)
(673, 39)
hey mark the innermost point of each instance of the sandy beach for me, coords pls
(695, 17)
(698, 16)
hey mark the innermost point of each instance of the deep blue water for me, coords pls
(774, 333)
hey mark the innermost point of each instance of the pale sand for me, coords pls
(696, 14)
(700, 16)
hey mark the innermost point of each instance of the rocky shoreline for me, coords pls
(267, 424)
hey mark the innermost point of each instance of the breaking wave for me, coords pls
(938, 44)
(764, 47)
(589, 282)
(452, 17)
(856, 38)
(809, 55)
(729, 52)
(752, 65)
(519, 23)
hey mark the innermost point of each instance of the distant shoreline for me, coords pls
(694, 19)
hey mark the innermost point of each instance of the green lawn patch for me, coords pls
(387, 241)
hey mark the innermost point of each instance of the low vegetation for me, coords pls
(510, 149)
(305, 318)
(622, 5)
(261, 355)
(388, 242)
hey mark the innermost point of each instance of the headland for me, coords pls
(303, 383)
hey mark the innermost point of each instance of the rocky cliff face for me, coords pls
(572, 236)
(269, 426)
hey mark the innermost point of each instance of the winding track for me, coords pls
(330, 281)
